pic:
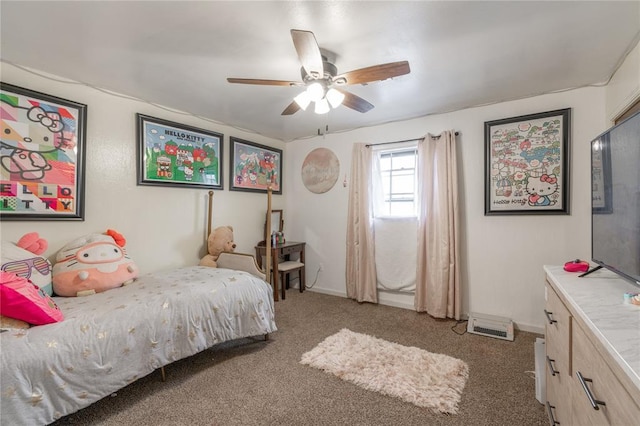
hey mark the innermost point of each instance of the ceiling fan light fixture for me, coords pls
(315, 91)
(303, 100)
(335, 97)
(322, 106)
(319, 76)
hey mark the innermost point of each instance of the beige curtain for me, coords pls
(361, 269)
(438, 274)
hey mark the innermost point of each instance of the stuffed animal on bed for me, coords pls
(23, 259)
(220, 240)
(92, 264)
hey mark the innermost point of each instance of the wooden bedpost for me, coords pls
(210, 213)
(268, 240)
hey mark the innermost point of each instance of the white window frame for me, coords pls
(383, 203)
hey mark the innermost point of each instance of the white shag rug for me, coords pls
(428, 380)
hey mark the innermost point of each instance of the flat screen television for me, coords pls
(615, 200)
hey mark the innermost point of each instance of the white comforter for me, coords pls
(111, 339)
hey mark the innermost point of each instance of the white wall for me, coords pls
(502, 255)
(164, 227)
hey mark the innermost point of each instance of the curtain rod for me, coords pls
(406, 140)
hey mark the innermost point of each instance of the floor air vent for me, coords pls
(490, 325)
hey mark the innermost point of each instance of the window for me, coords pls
(398, 179)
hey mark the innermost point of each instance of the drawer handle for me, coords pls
(548, 314)
(552, 419)
(553, 370)
(594, 402)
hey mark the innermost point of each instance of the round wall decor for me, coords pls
(320, 170)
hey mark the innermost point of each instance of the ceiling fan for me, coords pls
(322, 81)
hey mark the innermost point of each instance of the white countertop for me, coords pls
(598, 299)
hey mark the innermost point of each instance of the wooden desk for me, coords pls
(280, 250)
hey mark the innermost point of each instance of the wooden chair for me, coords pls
(285, 269)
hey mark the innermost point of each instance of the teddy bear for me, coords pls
(92, 264)
(220, 240)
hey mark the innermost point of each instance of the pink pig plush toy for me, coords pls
(93, 264)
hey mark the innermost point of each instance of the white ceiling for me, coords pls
(462, 54)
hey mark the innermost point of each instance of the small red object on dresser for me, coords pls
(576, 266)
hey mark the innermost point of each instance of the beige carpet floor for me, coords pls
(263, 383)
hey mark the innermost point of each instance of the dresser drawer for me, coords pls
(557, 359)
(558, 332)
(558, 404)
(293, 249)
(619, 407)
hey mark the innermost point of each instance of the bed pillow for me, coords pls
(21, 299)
(27, 264)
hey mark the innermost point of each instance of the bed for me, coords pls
(109, 340)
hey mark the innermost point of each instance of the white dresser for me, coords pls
(593, 349)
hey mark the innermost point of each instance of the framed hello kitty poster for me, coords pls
(255, 167)
(527, 164)
(177, 155)
(42, 156)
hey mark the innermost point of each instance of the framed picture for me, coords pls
(172, 154)
(601, 175)
(42, 156)
(255, 167)
(527, 164)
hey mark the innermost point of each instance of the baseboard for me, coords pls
(381, 299)
(397, 304)
(329, 292)
(530, 328)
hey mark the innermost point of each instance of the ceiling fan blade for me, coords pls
(291, 109)
(308, 52)
(264, 82)
(355, 102)
(373, 73)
